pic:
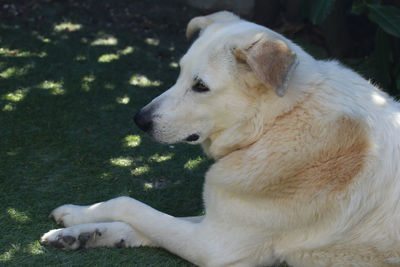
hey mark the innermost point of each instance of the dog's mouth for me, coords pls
(192, 138)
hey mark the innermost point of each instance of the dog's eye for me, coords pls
(200, 87)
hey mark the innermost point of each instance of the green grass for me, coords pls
(72, 76)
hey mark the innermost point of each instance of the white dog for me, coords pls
(307, 157)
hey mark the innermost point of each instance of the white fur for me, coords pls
(358, 227)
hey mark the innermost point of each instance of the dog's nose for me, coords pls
(143, 120)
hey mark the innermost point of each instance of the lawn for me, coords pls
(72, 76)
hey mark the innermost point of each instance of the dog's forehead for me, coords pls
(211, 48)
(216, 40)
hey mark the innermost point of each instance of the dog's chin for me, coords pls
(192, 139)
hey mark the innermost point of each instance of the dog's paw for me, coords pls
(92, 235)
(68, 238)
(68, 215)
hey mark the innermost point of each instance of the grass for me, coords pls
(72, 75)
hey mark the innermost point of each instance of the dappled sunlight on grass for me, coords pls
(152, 41)
(106, 176)
(123, 100)
(8, 255)
(157, 183)
(17, 53)
(9, 72)
(35, 248)
(121, 161)
(143, 81)
(16, 71)
(174, 64)
(109, 40)
(84, 40)
(8, 107)
(55, 88)
(126, 51)
(17, 216)
(15, 96)
(80, 58)
(88, 78)
(111, 57)
(160, 158)
(44, 39)
(13, 152)
(132, 140)
(147, 186)
(193, 163)
(5, 52)
(86, 82)
(108, 58)
(140, 170)
(67, 26)
(109, 86)
(41, 37)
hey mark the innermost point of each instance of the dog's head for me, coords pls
(231, 69)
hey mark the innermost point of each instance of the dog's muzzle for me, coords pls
(143, 120)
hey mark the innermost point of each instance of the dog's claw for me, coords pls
(120, 244)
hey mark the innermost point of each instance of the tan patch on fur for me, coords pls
(299, 155)
(331, 167)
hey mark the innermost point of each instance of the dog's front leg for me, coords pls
(180, 236)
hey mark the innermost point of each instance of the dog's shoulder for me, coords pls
(302, 153)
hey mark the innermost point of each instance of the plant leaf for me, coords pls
(387, 17)
(358, 8)
(320, 10)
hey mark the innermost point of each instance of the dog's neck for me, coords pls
(270, 108)
(241, 135)
(226, 141)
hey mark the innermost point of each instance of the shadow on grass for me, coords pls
(72, 75)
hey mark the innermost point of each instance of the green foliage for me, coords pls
(387, 17)
(387, 20)
(385, 56)
(381, 56)
(320, 10)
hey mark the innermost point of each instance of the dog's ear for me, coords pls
(271, 60)
(200, 23)
(197, 24)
